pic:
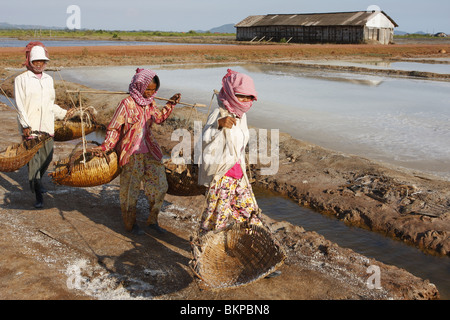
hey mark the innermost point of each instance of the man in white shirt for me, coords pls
(34, 93)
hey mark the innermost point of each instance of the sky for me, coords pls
(429, 16)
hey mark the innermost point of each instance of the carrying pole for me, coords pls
(124, 92)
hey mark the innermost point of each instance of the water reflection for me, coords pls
(280, 70)
(434, 66)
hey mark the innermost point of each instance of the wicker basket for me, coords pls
(235, 256)
(19, 154)
(183, 179)
(70, 130)
(97, 170)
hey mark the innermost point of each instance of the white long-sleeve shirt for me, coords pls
(35, 100)
(222, 148)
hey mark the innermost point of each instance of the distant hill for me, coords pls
(4, 25)
(403, 33)
(400, 33)
(226, 28)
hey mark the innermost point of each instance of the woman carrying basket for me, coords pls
(34, 94)
(129, 132)
(225, 136)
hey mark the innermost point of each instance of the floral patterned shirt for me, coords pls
(131, 124)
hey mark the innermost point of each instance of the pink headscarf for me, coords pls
(237, 83)
(28, 63)
(139, 83)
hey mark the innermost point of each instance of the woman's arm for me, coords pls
(211, 129)
(59, 112)
(19, 95)
(160, 116)
(115, 127)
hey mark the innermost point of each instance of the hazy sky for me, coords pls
(184, 15)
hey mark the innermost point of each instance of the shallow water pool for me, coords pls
(367, 243)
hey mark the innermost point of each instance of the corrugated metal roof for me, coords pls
(358, 18)
(249, 21)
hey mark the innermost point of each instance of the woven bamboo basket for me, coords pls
(235, 256)
(17, 155)
(183, 179)
(97, 170)
(72, 129)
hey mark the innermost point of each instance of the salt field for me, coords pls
(400, 121)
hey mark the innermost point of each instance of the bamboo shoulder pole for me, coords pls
(124, 92)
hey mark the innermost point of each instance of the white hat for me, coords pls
(38, 53)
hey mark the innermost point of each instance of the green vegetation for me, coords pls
(415, 36)
(104, 34)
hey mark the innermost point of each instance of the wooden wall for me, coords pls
(382, 35)
(311, 34)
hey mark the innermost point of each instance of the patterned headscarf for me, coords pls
(28, 64)
(237, 83)
(139, 83)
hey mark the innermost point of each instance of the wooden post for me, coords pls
(82, 129)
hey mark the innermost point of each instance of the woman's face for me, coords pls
(151, 89)
(244, 98)
(39, 64)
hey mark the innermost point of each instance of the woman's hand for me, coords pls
(98, 151)
(70, 113)
(227, 122)
(175, 99)
(26, 132)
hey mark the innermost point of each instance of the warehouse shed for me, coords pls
(337, 27)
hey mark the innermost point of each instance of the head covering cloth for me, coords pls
(237, 83)
(28, 64)
(138, 85)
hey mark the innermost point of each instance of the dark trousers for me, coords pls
(37, 167)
